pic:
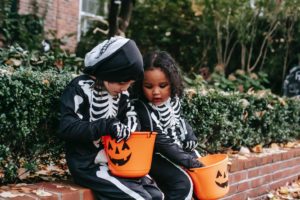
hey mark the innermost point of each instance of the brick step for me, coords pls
(45, 191)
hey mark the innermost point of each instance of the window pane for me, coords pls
(96, 7)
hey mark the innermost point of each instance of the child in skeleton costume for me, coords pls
(96, 104)
(175, 144)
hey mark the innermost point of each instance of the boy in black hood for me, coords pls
(97, 104)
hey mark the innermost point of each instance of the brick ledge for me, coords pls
(64, 190)
(252, 177)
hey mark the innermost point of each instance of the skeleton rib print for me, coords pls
(103, 105)
(170, 120)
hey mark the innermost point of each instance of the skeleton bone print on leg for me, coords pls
(169, 119)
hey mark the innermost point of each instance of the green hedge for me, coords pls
(230, 120)
(29, 112)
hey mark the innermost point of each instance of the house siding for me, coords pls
(60, 16)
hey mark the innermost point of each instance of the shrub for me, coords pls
(29, 113)
(16, 57)
(29, 110)
(231, 120)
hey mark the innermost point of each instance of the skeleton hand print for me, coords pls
(132, 121)
(190, 145)
(119, 131)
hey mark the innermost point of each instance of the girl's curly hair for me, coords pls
(164, 61)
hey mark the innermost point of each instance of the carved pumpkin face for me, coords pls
(221, 180)
(119, 153)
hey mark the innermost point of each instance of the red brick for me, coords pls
(296, 161)
(58, 191)
(64, 191)
(71, 191)
(285, 164)
(277, 157)
(243, 186)
(238, 196)
(237, 176)
(267, 169)
(30, 192)
(278, 166)
(287, 155)
(249, 163)
(295, 170)
(254, 172)
(266, 160)
(262, 197)
(60, 16)
(295, 152)
(236, 165)
(256, 182)
(232, 189)
(259, 161)
(282, 182)
(87, 194)
(258, 191)
(278, 175)
(25, 197)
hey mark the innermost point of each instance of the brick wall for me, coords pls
(255, 176)
(251, 178)
(61, 16)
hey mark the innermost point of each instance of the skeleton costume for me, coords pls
(174, 147)
(88, 112)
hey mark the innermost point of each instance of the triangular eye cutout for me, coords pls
(219, 174)
(125, 146)
(109, 146)
(224, 175)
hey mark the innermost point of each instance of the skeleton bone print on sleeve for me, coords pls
(131, 115)
(170, 120)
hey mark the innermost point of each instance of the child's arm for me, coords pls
(127, 113)
(72, 125)
(163, 144)
(175, 153)
(190, 141)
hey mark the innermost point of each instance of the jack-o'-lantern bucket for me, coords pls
(131, 158)
(211, 182)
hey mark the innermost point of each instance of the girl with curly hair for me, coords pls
(159, 94)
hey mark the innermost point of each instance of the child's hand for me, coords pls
(189, 145)
(196, 163)
(119, 131)
(131, 119)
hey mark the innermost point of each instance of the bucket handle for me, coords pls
(150, 119)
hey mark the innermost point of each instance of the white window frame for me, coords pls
(87, 15)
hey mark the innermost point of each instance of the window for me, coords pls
(90, 11)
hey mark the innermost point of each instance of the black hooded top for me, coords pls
(115, 60)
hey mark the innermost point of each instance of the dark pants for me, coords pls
(108, 187)
(174, 182)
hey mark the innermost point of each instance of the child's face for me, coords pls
(115, 88)
(156, 86)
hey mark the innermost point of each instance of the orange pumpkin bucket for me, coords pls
(131, 158)
(211, 181)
